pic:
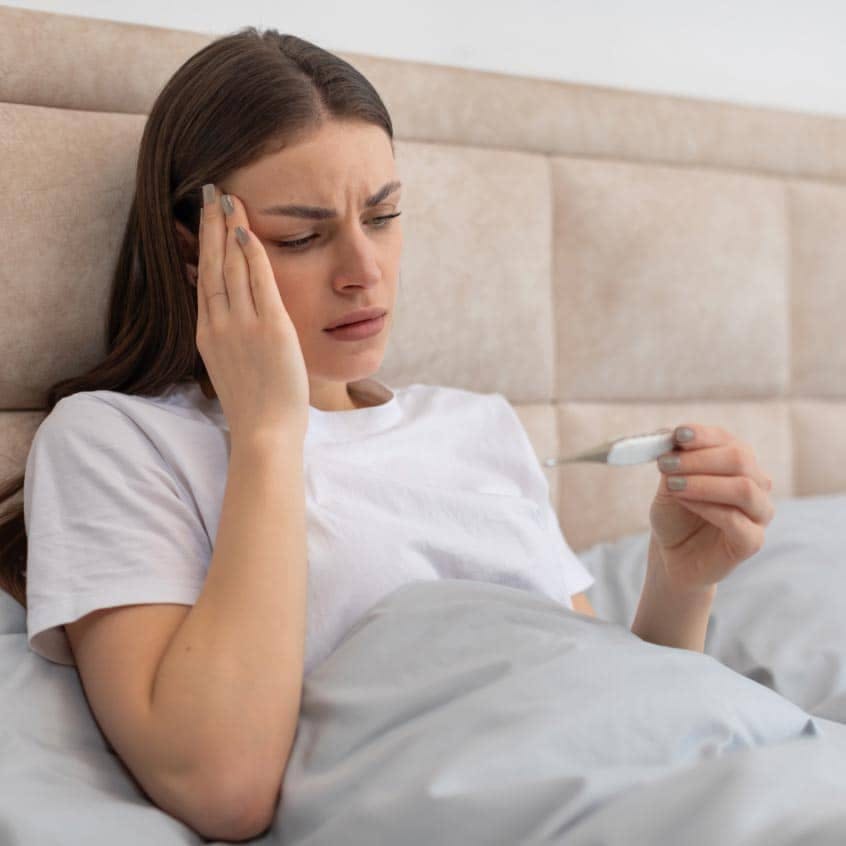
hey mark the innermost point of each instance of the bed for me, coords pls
(618, 261)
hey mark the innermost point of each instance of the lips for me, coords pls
(359, 330)
(357, 317)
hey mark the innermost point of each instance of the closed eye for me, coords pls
(383, 222)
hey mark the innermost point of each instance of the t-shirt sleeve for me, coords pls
(107, 523)
(576, 576)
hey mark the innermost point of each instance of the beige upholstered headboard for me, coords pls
(611, 261)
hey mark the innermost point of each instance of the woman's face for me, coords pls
(341, 263)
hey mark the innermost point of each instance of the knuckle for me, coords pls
(738, 520)
(739, 457)
(747, 486)
(740, 443)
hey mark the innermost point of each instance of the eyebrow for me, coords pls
(320, 213)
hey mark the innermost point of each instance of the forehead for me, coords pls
(338, 160)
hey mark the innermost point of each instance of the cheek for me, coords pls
(285, 275)
(291, 293)
(391, 251)
(398, 235)
(305, 311)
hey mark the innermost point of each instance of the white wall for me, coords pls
(786, 54)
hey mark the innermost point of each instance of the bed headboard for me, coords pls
(611, 261)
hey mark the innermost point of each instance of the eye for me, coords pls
(382, 222)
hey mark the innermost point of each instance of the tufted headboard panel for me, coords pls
(611, 261)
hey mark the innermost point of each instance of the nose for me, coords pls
(357, 263)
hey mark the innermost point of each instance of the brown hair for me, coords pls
(241, 97)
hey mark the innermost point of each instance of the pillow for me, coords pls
(12, 615)
(779, 618)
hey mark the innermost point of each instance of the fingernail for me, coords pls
(669, 462)
(676, 483)
(208, 193)
(228, 205)
(684, 434)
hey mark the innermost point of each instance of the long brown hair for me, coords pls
(241, 97)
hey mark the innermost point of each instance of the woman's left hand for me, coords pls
(704, 531)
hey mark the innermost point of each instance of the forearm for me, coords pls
(667, 616)
(228, 689)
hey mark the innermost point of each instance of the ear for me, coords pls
(188, 242)
(188, 247)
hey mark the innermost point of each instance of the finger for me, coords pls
(236, 268)
(743, 537)
(733, 459)
(738, 491)
(266, 296)
(202, 305)
(703, 436)
(210, 266)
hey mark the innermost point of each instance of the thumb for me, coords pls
(671, 522)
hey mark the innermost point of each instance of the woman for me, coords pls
(212, 507)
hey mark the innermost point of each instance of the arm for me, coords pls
(227, 691)
(669, 617)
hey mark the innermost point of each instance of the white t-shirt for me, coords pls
(122, 498)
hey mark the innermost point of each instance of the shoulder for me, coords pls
(83, 405)
(450, 404)
(96, 414)
(88, 422)
(582, 604)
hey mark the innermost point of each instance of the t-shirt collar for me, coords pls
(381, 412)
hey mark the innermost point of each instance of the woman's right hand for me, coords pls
(245, 335)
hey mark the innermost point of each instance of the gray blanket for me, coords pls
(461, 712)
(473, 713)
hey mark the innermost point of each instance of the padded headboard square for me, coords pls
(611, 261)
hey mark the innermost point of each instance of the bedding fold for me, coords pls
(467, 712)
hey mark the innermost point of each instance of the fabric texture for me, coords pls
(122, 499)
(778, 618)
(459, 712)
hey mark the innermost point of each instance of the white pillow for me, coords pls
(779, 618)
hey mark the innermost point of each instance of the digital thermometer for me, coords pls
(633, 449)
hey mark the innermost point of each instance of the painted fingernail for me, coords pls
(684, 434)
(676, 483)
(228, 205)
(669, 462)
(208, 193)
